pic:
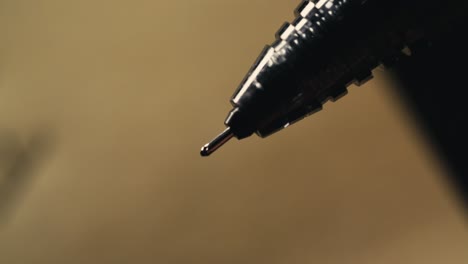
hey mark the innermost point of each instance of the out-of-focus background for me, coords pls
(105, 104)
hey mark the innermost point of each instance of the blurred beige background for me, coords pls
(104, 106)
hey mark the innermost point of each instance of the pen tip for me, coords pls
(216, 143)
(205, 151)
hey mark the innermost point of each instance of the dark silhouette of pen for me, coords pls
(330, 45)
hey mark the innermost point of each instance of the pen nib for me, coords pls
(216, 143)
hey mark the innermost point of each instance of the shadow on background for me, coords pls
(18, 161)
(432, 82)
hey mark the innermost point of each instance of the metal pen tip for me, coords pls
(216, 143)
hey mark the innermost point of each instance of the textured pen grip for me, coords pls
(330, 45)
(277, 74)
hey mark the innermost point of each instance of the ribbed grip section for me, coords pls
(294, 42)
(328, 46)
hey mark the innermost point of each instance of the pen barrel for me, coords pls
(330, 45)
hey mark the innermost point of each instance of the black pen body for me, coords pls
(330, 45)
